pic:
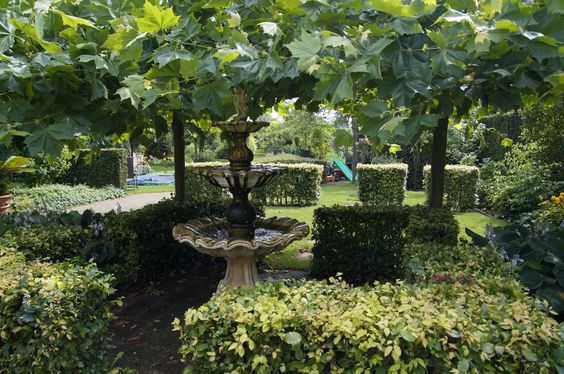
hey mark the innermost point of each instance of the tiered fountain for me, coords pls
(242, 237)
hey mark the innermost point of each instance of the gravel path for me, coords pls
(130, 202)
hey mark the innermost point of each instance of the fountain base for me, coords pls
(240, 272)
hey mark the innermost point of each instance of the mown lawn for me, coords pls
(344, 193)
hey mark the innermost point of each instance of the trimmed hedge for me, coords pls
(382, 184)
(53, 318)
(58, 197)
(106, 167)
(301, 185)
(484, 326)
(432, 225)
(460, 186)
(363, 243)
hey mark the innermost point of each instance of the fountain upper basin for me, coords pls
(257, 176)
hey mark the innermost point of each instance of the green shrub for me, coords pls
(432, 225)
(518, 183)
(538, 259)
(58, 197)
(301, 185)
(54, 243)
(47, 169)
(104, 168)
(142, 239)
(432, 262)
(382, 184)
(53, 318)
(486, 326)
(459, 188)
(364, 243)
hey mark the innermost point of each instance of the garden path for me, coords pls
(130, 202)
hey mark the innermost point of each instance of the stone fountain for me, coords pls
(242, 237)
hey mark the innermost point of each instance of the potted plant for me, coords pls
(14, 164)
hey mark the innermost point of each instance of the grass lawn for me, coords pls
(344, 193)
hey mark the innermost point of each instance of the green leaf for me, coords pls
(305, 50)
(530, 278)
(374, 109)
(49, 139)
(393, 149)
(73, 21)
(506, 142)
(187, 29)
(399, 9)
(120, 40)
(6, 33)
(156, 18)
(530, 355)
(407, 26)
(293, 338)
(463, 365)
(212, 97)
(342, 138)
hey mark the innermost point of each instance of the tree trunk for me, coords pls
(354, 148)
(438, 163)
(179, 167)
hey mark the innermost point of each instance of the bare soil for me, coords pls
(142, 328)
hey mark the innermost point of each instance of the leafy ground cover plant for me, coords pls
(58, 197)
(489, 325)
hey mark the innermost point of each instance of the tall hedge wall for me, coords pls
(106, 167)
(53, 317)
(301, 185)
(461, 183)
(382, 184)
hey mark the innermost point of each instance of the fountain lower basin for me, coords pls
(211, 236)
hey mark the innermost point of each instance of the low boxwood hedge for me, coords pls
(487, 325)
(460, 186)
(301, 185)
(382, 184)
(53, 317)
(431, 225)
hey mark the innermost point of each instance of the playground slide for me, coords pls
(344, 168)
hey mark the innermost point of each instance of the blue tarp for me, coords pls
(152, 179)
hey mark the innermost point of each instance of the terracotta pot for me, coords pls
(5, 203)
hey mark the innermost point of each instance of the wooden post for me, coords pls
(438, 163)
(179, 149)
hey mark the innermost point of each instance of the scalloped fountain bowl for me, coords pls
(256, 177)
(211, 237)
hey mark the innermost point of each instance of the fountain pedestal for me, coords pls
(240, 271)
(242, 237)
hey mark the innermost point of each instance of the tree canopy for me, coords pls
(109, 68)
